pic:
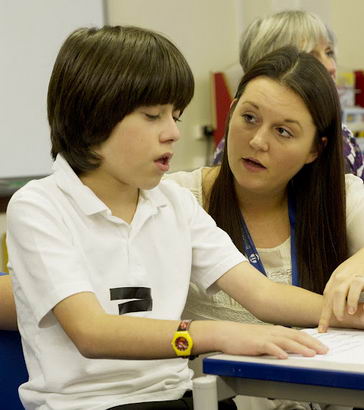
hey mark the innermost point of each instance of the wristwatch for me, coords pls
(182, 342)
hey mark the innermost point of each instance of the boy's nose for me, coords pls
(171, 133)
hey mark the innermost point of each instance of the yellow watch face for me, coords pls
(182, 343)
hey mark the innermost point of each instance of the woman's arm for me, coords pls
(342, 291)
(7, 305)
(279, 303)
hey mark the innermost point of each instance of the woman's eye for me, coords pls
(284, 133)
(249, 118)
(330, 53)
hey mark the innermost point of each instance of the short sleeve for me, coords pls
(213, 250)
(354, 212)
(43, 260)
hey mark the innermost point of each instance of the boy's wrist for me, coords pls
(182, 342)
(207, 336)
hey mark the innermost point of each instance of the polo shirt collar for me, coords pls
(85, 198)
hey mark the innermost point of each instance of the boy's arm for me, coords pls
(279, 303)
(7, 305)
(97, 334)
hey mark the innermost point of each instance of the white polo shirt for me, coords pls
(63, 240)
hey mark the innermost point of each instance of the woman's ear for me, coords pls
(323, 143)
(233, 103)
(316, 150)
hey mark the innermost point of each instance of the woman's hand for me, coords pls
(342, 292)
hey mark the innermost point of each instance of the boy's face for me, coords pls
(139, 148)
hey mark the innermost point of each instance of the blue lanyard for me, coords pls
(252, 253)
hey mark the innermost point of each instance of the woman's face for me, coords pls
(325, 53)
(271, 137)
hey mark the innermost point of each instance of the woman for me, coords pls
(280, 192)
(308, 33)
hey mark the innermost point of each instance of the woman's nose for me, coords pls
(259, 140)
(329, 63)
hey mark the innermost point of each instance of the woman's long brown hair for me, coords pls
(318, 188)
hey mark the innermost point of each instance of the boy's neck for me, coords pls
(121, 199)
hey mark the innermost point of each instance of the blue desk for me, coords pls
(295, 379)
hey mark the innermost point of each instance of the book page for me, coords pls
(345, 345)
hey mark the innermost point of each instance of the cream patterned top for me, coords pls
(276, 261)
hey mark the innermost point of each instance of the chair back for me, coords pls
(13, 371)
(4, 255)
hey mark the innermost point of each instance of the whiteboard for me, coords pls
(31, 33)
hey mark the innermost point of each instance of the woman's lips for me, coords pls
(253, 164)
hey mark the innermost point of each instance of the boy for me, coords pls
(102, 256)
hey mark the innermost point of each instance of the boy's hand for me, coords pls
(278, 341)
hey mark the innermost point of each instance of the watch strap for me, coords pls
(183, 326)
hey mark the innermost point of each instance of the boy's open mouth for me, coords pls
(163, 161)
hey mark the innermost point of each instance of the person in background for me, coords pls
(101, 253)
(308, 33)
(280, 191)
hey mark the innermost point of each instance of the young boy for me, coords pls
(101, 255)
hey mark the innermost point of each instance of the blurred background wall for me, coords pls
(208, 31)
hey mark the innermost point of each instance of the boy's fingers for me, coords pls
(281, 346)
(311, 343)
(292, 346)
(274, 350)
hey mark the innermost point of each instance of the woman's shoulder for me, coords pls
(354, 188)
(187, 179)
(353, 183)
(198, 181)
(191, 180)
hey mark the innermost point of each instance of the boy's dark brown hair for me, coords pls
(102, 75)
(318, 188)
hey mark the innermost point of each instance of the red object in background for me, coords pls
(359, 88)
(221, 104)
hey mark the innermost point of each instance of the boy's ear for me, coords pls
(316, 150)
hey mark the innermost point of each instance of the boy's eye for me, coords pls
(152, 117)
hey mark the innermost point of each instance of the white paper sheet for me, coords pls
(345, 346)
